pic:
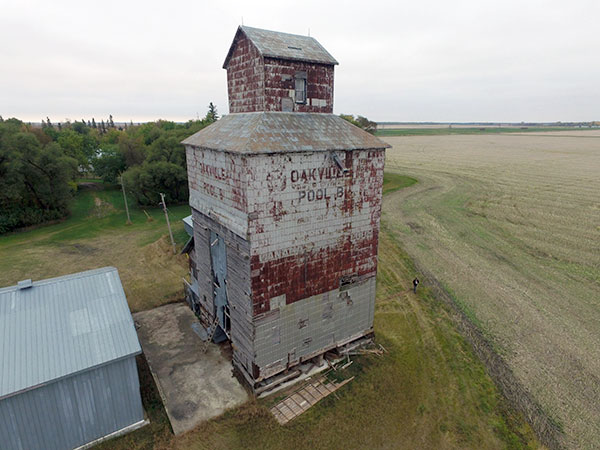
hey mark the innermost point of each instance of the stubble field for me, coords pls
(510, 226)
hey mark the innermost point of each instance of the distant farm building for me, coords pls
(286, 203)
(68, 375)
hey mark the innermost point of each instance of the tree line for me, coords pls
(39, 166)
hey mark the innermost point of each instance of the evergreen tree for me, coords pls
(111, 124)
(59, 126)
(102, 127)
(1, 119)
(44, 123)
(94, 123)
(212, 115)
(48, 122)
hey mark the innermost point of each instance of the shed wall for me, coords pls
(73, 411)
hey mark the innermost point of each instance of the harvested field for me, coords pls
(510, 226)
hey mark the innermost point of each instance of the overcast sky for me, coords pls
(399, 61)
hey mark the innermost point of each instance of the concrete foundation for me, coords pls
(195, 386)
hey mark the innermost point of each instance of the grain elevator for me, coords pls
(286, 203)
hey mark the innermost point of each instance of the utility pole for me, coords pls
(164, 205)
(125, 199)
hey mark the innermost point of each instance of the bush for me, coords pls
(109, 163)
(34, 181)
(147, 181)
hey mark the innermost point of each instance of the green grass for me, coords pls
(96, 234)
(470, 130)
(393, 182)
(427, 391)
(87, 220)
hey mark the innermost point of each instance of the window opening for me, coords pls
(300, 87)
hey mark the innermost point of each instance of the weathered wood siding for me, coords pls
(313, 226)
(245, 77)
(279, 84)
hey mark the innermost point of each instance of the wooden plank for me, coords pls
(278, 415)
(293, 406)
(330, 387)
(308, 395)
(301, 400)
(287, 412)
(322, 390)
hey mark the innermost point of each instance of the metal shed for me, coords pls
(68, 375)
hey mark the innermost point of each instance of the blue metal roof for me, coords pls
(62, 326)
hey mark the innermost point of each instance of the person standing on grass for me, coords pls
(415, 284)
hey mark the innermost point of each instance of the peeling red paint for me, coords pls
(322, 247)
(255, 83)
(314, 273)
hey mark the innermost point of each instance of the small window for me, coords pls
(300, 87)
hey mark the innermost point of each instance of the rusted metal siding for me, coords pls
(279, 84)
(297, 198)
(245, 77)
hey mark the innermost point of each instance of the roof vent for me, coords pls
(294, 48)
(24, 284)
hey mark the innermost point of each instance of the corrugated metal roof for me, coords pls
(273, 132)
(284, 45)
(62, 326)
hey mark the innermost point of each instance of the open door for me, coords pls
(218, 257)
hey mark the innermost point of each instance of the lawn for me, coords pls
(96, 235)
(393, 182)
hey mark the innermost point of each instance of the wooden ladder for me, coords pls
(213, 330)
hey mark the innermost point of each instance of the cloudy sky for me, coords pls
(423, 60)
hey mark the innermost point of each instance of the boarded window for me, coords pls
(300, 87)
